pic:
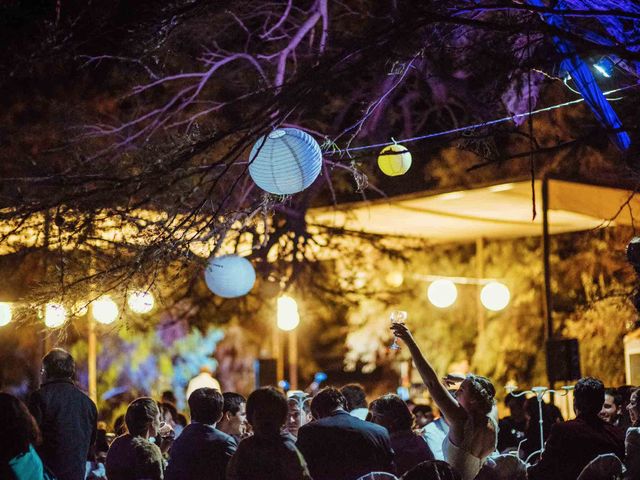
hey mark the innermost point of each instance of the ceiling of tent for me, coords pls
(502, 210)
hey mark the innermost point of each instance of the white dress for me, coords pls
(459, 457)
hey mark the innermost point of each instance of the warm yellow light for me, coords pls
(442, 293)
(141, 302)
(5, 313)
(503, 187)
(104, 310)
(80, 309)
(495, 296)
(394, 279)
(54, 315)
(288, 317)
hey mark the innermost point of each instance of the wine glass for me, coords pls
(397, 316)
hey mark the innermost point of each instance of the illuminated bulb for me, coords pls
(495, 296)
(5, 313)
(288, 317)
(442, 293)
(141, 302)
(394, 279)
(104, 310)
(54, 315)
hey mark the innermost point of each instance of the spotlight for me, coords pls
(442, 293)
(604, 66)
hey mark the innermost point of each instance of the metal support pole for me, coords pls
(293, 359)
(480, 312)
(92, 358)
(546, 254)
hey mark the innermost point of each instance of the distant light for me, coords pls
(360, 281)
(604, 66)
(394, 279)
(288, 317)
(319, 377)
(495, 296)
(5, 313)
(54, 315)
(452, 196)
(442, 293)
(501, 188)
(80, 309)
(284, 385)
(104, 310)
(141, 302)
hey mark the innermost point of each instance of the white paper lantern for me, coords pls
(495, 296)
(287, 161)
(230, 276)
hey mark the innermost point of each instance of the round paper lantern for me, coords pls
(495, 296)
(394, 160)
(442, 293)
(287, 161)
(230, 276)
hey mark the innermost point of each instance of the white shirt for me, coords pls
(360, 413)
(202, 380)
(434, 434)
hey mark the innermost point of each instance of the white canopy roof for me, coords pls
(495, 211)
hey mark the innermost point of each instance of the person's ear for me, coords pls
(226, 416)
(219, 417)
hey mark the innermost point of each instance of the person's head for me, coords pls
(19, 428)
(509, 467)
(588, 396)
(515, 403)
(148, 460)
(476, 395)
(432, 470)
(234, 414)
(119, 427)
(391, 412)
(58, 364)
(143, 417)
(206, 406)
(355, 396)
(296, 416)
(423, 414)
(267, 410)
(169, 413)
(327, 401)
(634, 408)
(612, 405)
(169, 397)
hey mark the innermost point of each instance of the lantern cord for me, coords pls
(471, 127)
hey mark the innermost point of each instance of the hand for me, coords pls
(401, 331)
(451, 379)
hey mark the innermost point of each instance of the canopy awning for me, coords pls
(502, 210)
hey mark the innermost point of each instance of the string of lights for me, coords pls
(443, 133)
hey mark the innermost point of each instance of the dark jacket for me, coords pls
(410, 449)
(124, 460)
(572, 445)
(67, 419)
(200, 452)
(268, 457)
(343, 447)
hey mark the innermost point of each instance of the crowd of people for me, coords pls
(335, 434)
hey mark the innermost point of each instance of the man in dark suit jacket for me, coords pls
(339, 446)
(66, 417)
(201, 452)
(572, 445)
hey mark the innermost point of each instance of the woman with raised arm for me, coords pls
(473, 432)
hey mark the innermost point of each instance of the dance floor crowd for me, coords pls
(335, 434)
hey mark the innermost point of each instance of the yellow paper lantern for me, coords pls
(394, 160)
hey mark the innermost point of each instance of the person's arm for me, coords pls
(447, 405)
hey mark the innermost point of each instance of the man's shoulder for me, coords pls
(206, 433)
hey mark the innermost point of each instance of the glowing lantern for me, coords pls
(5, 313)
(230, 276)
(54, 315)
(394, 279)
(495, 296)
(442, 293)
(104, 310)
(141, 302)
(288, 316)
(286, 161)
(394, 160)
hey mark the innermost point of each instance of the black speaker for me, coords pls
(266, 371)
(563, 359)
